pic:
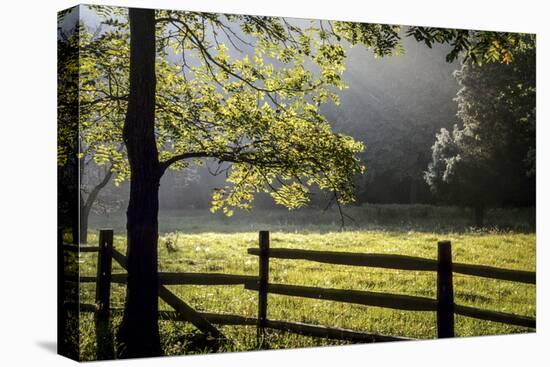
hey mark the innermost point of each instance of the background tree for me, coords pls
(488, 160)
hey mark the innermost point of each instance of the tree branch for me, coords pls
(95, 191)
(180, 157)
(233, 157)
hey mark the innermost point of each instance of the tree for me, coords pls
(264, 121)
(487, 160)
(247, 92)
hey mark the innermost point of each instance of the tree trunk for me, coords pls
(138, 335)
(86, 205)
(479, 214)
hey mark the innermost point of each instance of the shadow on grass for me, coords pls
(195, 342)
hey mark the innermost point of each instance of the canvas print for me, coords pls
(234, 182)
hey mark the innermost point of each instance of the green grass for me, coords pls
(226, 253)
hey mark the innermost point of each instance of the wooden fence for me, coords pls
(443, 305)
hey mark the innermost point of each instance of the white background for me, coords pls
(28, 182)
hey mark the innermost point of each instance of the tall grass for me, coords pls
(209, 250)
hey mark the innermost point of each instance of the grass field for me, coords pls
(225, 252)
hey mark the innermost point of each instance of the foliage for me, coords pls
(479, 47)
(103, 85)
(488, 158)
(67, 81)
(247, 91)
(93, 88)
(258, 110)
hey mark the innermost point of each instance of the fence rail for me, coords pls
(398, 262)
(483, 271)
(444, 267)
(387, 300)
(444, 304)
(387, 261)
(166, 278)
(496, 316)
(76, 248)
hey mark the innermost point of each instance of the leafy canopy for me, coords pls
(246, 92)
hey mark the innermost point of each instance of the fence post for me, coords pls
(104, 339)
(445, 298)
(103, 282)
(262, 286)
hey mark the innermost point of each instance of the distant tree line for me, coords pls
(488, 158)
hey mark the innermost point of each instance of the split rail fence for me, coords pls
(443, 305)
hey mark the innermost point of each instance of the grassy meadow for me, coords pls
(200, 248)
